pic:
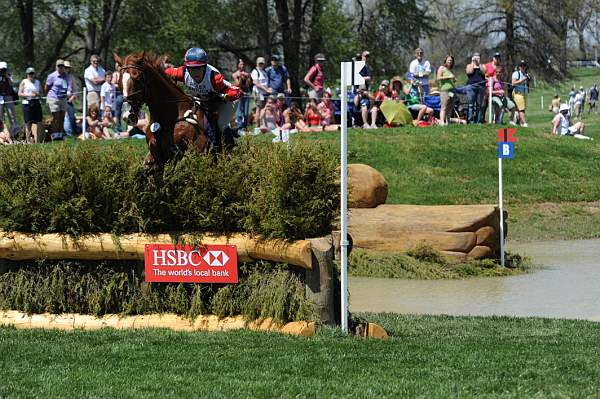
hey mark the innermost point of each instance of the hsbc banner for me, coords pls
(167, 263)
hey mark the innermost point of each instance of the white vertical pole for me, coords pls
(542, 102)
(84, 121)
(501, 201)
(491, 120)
(344, 200)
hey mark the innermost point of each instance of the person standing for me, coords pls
(365, 72)
(243, 80)
(70, 121)
(583, 98)
(593, 102)
(475, 90)
(520, 80)
(58, 86)
(315, 78)
(421, 69)
(7, 99)
(108, 95)
(260, 90)
(492, 67)
(278, 77)
(447, 82)
(29, 90)
(94, 78)
(119, 94)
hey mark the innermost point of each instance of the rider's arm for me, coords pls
(177, 74)
(222, 86)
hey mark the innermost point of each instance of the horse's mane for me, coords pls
(153, 63)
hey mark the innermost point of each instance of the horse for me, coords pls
(176, 121)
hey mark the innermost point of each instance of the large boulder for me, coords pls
(367, 187)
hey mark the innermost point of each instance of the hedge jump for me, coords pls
(314, 256)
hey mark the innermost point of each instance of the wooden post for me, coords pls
(321, 280)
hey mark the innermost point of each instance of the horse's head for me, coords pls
(133, 84)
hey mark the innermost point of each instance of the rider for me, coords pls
(208, 85)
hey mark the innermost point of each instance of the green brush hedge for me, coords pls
(94, 187)
(264, 290)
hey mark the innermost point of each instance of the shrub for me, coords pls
(264, 290)
(90, 188)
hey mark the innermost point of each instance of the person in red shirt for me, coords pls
(315, 78)
(211, 90)
(378, 98)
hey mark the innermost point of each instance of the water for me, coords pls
(568, 286)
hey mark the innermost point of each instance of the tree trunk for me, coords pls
(90, 40)
(26, 16)
(315, 37)
(509, 53)
(263, 34)
(58, 47)
(290, 50)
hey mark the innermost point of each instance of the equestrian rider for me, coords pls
(210, 88)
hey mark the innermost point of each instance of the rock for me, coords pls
(367, 187)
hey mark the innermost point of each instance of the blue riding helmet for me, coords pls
(195, 57)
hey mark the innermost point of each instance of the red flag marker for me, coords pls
(507, 135)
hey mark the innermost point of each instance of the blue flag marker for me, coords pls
(506, 150)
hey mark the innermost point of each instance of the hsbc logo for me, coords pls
(168, 263)
(215, 258)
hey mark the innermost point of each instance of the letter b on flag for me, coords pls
(506, 150)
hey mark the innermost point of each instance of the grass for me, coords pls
(427, 356)
(423, 266)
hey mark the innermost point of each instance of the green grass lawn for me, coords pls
(429, 357)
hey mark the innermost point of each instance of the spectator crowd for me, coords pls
(431, 96)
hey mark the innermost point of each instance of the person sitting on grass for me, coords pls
(362, 101)
(4, 135)
(269, 117)
(97, 128)
(327, 110)
(109, 121)
(293, 118)
(562, 127)
(315, 119)
(409, 95)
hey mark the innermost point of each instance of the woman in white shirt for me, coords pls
(29, 91)
(260, 81)
(561, 125)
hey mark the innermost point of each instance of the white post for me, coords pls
(344, 200)
(490, 104)
(542, 102)
(501, 211)
(84, 120)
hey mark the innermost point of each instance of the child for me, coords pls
(108, 92)
(95, 125)
(4, 135)
(108, 122)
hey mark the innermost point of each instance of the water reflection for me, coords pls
(567, 287)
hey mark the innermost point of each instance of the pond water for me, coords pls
(566, 286)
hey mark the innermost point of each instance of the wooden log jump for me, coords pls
(22, 246)
(314, 256)
(455, 230)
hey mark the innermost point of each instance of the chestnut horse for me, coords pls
(176, 122)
